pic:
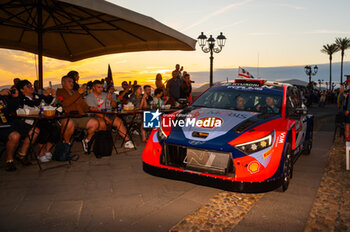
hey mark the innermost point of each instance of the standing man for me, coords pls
(347, 112)
(173, 88)
(341, 98)
(179, 70)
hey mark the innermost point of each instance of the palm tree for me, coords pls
(342, 44)
(329, 50)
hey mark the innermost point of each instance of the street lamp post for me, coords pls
(309, 72)
(208, 45)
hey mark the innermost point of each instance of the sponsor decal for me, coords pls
(253, 167)
(282, 137)
(250, 87)
(193, 142)
(266, 154)
(226, 113)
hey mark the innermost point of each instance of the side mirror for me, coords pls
(296, 113)
(301, 111)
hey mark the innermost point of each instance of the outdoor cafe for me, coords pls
(72, 31)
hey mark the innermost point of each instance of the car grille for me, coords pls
(207, 161)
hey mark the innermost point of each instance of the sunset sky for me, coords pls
(267, 33)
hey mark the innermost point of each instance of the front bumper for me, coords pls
(228, 185)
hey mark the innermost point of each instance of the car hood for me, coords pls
(208, 135)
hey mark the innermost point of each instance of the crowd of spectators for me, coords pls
(17, 134)
(321, 97)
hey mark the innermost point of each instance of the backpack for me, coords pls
(62, 153)
(102, 144)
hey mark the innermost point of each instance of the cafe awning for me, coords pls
(78, 29)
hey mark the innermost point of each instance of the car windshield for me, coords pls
(253, 101)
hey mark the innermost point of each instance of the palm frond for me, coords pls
(329, 49)
(342, 43)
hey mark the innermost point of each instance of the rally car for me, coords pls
(243, 136)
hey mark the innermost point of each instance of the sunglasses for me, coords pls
(29, 85)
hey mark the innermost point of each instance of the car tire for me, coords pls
(308, 144)
(287, 166)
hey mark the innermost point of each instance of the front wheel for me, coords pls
(287, 167)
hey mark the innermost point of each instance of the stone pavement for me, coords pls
(108, 194)
(114, 194)
(331, 209)
(272, 211)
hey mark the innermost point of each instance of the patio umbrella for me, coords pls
(77, 29)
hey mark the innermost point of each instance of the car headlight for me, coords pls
(256, 145)
(161, 135)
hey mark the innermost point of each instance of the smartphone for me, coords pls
(50, 84)
(129, 82)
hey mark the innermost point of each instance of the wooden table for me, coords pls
(129, 125)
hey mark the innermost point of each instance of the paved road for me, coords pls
(288, 211)
(111, 194)
(114, 194)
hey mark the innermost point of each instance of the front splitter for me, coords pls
(196, 178)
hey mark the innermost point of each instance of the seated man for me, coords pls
(99, 99)
(73, 102)
(147, 90)
(48, 135)
(157, 99)
(8, 135)
(269, 106)
(240, 103)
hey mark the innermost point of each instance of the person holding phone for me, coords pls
(178, 70)
(73, 102)
(186, 88)
(126, 92)
(75, 76)
(37, 89)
